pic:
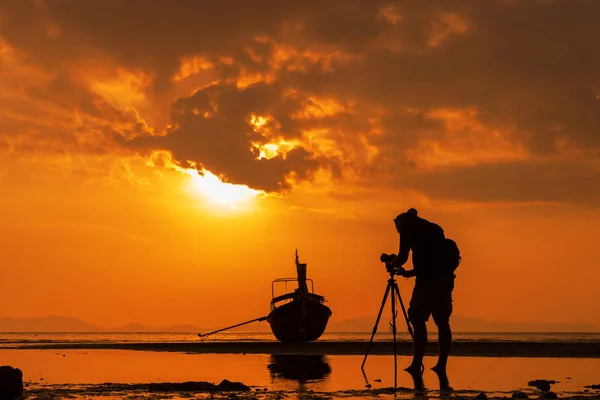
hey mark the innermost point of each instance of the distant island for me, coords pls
(463, 324)
(53, 323)
(360, 324)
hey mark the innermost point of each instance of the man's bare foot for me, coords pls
(417, 377)
(414, 369)
(443, 378)
(438, 369)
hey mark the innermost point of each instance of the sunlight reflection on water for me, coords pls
(319, 373)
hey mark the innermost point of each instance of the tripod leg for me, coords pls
(394, 334)
(408, 324)
(387, 291)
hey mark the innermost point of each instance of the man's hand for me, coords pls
(408, 273)
(390, 267)
(386, 258)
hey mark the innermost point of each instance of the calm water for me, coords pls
(288, 372)
(14, 339)
(291, 372)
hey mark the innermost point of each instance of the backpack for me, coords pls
(451, 255)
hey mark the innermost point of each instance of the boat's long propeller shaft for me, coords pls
(205, 335)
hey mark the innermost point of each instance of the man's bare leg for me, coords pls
(444, 343)
(419, 343)
(443, 380)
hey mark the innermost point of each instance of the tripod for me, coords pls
(393, 287)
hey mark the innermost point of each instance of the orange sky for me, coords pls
(330, 118)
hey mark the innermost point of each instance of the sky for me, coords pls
(160, 162)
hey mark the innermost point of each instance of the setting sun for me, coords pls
(213, 190)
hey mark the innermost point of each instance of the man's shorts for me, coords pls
(431, 298)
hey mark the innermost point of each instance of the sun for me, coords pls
(217, 192)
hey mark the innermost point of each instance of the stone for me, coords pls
(228, 386)
(481, 396)
(593, 387)
(11, 383)
(542, 384)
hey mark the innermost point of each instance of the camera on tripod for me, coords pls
(393, 290)
(386, 258)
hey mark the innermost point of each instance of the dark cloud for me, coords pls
(213, 128)
(152, 35)
(566, 181)
(449, 74)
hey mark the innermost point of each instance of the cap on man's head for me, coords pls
(400, 218)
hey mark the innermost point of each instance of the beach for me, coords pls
(110, 367)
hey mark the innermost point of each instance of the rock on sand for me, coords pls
(541, 384)
(11, 382)
(548, 395)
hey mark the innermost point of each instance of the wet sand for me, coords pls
(108, 391)
(116, 374)
(464, 348)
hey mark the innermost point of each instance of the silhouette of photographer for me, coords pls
(434, 259)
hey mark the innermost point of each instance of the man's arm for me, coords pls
(402, 256)
(409, 273)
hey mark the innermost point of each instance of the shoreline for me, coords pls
(256, 393)
(459, 348)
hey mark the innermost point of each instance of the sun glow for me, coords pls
(208, 185)
(258, 121)
(270, 150)
(217, 192)
(267, 127)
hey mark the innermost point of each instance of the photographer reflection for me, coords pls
(299, 367)
(434, 260)
(421, 391)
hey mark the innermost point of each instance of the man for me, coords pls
(432, 294)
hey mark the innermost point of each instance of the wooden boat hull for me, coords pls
(286, 321)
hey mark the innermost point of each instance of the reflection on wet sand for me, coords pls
(419, 382)
(299, 367)
(323, 374)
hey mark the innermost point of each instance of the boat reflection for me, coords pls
(299, 367)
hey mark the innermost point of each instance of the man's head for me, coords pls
(406, 217)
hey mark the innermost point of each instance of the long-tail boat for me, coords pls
(301, 315)
(298, 316)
